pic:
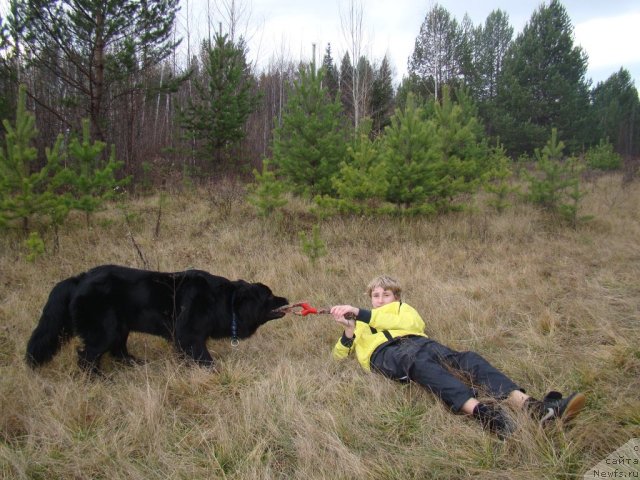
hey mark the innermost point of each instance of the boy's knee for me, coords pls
(470, 358)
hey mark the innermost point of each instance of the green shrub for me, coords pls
(35, 246)
(603, 157)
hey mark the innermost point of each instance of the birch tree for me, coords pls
(352, 23)
(436, 51)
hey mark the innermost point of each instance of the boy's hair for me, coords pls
(387, 283)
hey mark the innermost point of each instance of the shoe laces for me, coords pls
(550, 413)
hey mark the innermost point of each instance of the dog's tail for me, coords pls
(55, 326)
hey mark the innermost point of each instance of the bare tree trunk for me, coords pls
(188, 32)
(17, 39)
(209, 21)
(237, 15)
(157, 113)
(97, 72)
(352, 28)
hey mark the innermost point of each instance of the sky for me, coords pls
(609, 30)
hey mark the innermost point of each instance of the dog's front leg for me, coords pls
(120, 353)
(196, 349)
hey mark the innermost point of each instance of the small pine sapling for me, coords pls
(25, 191)
(92, 181)
(313, 247)
(266, 192)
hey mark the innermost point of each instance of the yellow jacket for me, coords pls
(375, 327)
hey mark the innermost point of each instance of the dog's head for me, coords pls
(255, 305)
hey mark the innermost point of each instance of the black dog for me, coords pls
(103, 305)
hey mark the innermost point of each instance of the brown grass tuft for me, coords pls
(554, 307)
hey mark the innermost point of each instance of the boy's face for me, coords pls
(380, 297)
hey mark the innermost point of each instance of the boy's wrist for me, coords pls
(350, 329)
(346, 340)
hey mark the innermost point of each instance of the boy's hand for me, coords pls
(339, 312)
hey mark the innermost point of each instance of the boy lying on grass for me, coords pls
(390, 339)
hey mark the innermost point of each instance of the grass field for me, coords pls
(553, 307)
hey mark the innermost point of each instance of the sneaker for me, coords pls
(494, 419)
(553, 406)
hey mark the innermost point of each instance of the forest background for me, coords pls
(168, 109)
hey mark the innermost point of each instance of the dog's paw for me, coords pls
(209, 365)
(130, 360)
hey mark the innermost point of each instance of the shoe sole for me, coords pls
(574, 406)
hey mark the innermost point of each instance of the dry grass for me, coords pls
(553, 307)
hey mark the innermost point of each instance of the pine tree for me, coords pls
(97, 49)
(570, 209)
(346, 87)
(491, 42)
(464, 164)
(313, 246)
(366, 78)
(361, 183)
(546, 185)
(421, 89)
(382, 98)
(225, 98)
(332, 76)
(311, 142)
(409, 150)
(24, 191)
(616, 108)
(266, 193)
(603, 157)
(542, 85)
(498, 180)
(435, 154)
(91, 183)
(466, 52)
(555, 183)
(9, 62)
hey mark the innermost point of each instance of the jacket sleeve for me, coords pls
(342, 349)
(397, 316)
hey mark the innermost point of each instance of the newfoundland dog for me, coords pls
(103, 305)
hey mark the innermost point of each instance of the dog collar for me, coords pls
(234, 322)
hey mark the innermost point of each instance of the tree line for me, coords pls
(117, 66)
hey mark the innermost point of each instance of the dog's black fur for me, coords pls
(103, 305)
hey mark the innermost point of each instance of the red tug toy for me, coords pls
(306, 309)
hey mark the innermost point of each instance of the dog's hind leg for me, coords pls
(89, 360)
(120, 352)
(99, 335)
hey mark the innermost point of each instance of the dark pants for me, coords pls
(429, 364)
